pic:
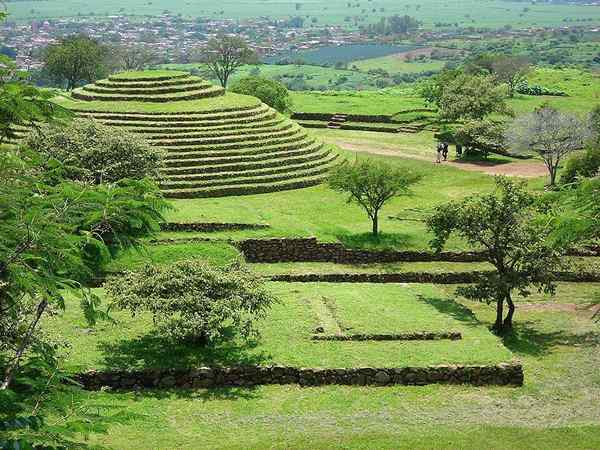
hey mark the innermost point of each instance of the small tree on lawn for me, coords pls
(225, 54)
(551, 134)
(371, 184)
(193, 301)
(505, 224)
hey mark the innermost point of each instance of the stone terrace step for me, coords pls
(261, 179)
(184, 133)
(147, 90)
(213, 91)
(262, 150)
(206, 167)
(192, 116)
(237, 159)
(283, 168)
(250, 189)
(220, 138)
(143, 84)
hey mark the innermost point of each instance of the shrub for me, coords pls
(95, 153)
(271, 92)
(535, 89)
(193, 301)
(582, 165)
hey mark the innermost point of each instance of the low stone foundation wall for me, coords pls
(416, 336)
(505, 374)
(311, 250)
(416, 277)
(211, 226)
(407, 277)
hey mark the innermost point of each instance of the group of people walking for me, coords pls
(442, 151)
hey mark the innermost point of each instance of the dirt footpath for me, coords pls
(523, 169)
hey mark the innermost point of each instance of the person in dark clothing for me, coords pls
(445, 151)
(440, 150)
(458, 150)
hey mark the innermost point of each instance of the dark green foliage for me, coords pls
(191, 300)
(271, 92)
(526, 89)
(55, 234)
(484, 135)
(94, 153)
(581, 165)
(23, 105)
(75, 60)
(506, 225)
(371, 184)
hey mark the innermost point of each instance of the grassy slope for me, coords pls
(556, 409)
(320, 212)
(583, 89)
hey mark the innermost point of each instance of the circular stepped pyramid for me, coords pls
(216, 144)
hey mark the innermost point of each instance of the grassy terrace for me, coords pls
(320, 212)
(130, 343)
(226, 102)
(221, 145)
(556, 408)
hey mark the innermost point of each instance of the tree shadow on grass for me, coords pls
(453, 309)
(527, 338)
(155, 351)
(380, 242)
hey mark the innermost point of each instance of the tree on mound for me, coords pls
(271, 92)
(506, 225)
(94, 153)
(371, 184)
(225, 54)
(193, 301)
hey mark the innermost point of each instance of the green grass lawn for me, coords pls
(320, 212)
(582, 87)
(555, 409)
(395, 64)
(132, 343)
(387, 101)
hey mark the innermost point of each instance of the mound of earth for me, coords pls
(217, 143)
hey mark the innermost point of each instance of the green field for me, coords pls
(493, 13)
(395, 64)
(556, 409)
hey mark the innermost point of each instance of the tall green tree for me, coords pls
(225, 54)
(75, 59)
(506, 225)
(371, 184)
